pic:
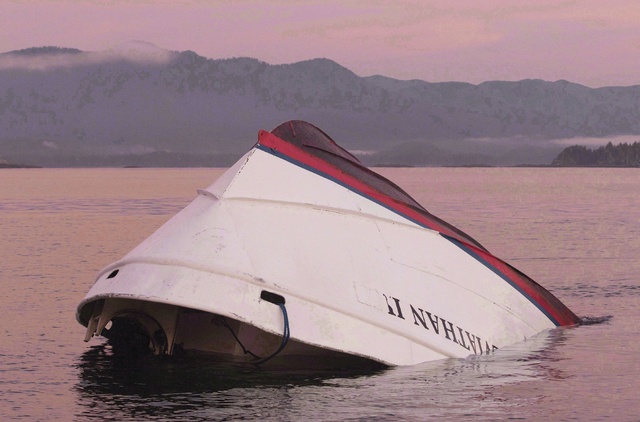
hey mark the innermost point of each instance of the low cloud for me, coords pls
(52, 58)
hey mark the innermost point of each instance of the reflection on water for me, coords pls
(102, 371)
(205, 389)
(119, 206)
(152, 386)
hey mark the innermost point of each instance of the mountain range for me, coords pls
(138, 104)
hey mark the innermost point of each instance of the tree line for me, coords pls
(620, 155)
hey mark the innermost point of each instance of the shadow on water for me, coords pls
(101, 371)
(200, 388)
(148, 387)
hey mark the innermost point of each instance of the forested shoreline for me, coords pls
(621, 155)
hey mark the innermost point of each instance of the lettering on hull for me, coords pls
(440, 326)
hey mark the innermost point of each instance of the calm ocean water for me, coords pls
(575, 231)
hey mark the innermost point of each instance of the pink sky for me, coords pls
(592, 42)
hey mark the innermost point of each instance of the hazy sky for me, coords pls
(592, 42)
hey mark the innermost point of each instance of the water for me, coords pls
(576, 231)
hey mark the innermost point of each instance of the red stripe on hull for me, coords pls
(555, 309)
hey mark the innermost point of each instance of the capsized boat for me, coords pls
(298, 250)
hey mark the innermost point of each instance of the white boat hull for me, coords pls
(358, 276)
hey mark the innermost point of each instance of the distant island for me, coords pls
(621, 155)
(4, 164)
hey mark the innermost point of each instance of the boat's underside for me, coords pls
(137, 328)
